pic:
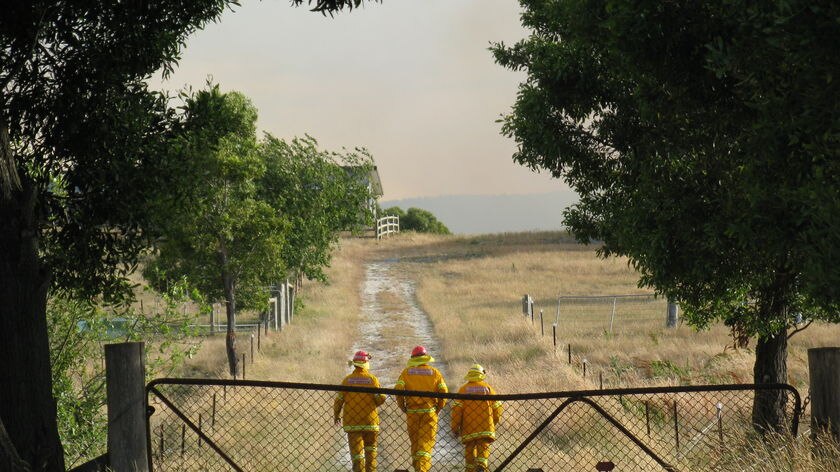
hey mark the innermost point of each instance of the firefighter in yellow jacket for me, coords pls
(475, 420)
(360, 419)
(421, 412)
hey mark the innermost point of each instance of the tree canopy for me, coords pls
(217, 222)
(246, 213)
(702, 139)
(318, 193)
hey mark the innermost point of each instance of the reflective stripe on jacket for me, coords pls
(474, 419)
(359, 408)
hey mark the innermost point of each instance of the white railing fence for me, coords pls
(387, 225)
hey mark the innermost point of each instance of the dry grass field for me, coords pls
(471, 287)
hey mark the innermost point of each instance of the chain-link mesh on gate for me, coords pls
(198, 424)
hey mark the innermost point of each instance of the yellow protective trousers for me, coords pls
(422, 428)
(477, 455)
(363, 450)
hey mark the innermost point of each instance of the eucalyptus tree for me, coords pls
(703, 140)
(80, 137)
(219, 234)
(248, 214)
(319, 193)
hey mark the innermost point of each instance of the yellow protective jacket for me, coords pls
(359, 408)
(423, 378)
(474, 419)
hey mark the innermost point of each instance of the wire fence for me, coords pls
(199, 424)
(614, 314)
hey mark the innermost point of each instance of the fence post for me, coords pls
(673, 316)
(612, 316)
(823, 366)
(272, 310)
(252, 347)
(542, 325)
(528, 306)
(554, 337)
(125, 381)
(281, 307)
(291, 302)
(570, 354)
(213, 318)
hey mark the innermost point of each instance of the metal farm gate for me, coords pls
(209, 425)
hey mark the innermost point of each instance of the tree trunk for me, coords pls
(770, 406)
(27, 407)
(230, 297)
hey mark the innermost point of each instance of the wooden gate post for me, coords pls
(824, 373)
(125, 379)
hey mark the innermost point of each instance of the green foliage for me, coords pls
(318, 193)
(86, 139)
(417, 219)
(250, 214)
(667, 369)
(86, 134)
(219, 226)
(256, 211)
(702, 139)
(77, 331)
(393, 211)
(619, 367)
(330, 6)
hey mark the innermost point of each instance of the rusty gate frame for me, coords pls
(573, 396)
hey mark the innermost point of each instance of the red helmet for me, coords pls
(361, 356)
(418, 351)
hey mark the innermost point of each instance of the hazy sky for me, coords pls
(411, 80)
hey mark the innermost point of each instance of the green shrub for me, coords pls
(417, 219)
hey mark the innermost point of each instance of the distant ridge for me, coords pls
(476, 214)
